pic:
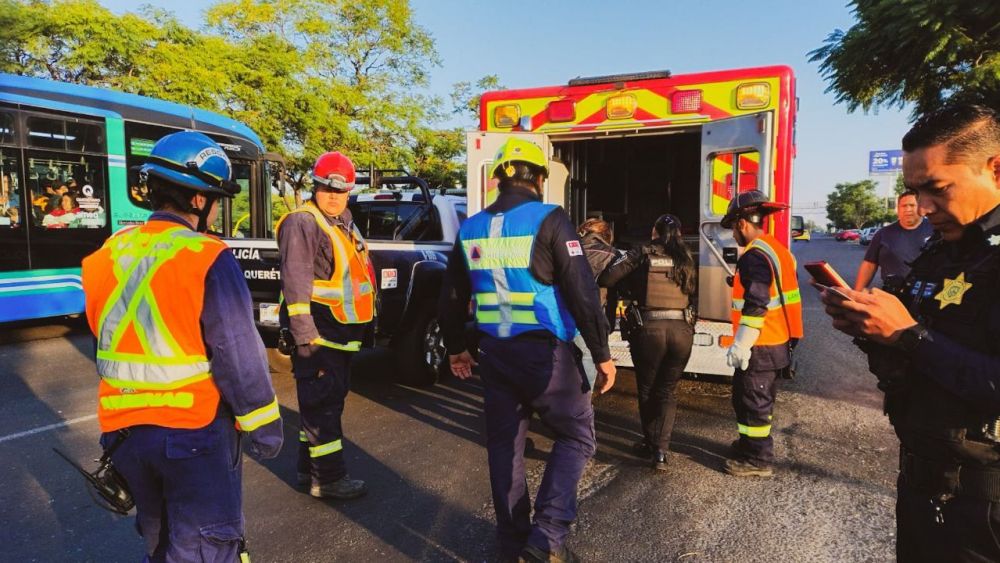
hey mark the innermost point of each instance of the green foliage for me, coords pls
(899, 187)
(308, 76)
(465, 96)
(915, 51)
(852, 205)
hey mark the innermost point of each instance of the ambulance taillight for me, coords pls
(685, 101)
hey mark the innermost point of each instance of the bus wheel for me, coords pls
(421, 358)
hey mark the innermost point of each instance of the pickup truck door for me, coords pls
(482, 147)
(735, 155)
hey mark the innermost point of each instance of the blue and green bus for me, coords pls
(65, 152)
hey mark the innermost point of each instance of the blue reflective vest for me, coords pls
(508, 299)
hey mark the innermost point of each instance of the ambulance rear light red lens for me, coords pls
(561, 111)
(506, 115)
(685, 101)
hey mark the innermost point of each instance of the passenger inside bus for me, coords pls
(66, 215)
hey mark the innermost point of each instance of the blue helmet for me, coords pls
(189, 159)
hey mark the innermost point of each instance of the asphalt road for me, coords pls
(420, 450)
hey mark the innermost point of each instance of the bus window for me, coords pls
(239, 215)
(7, 136)
(67, 192)
(10, 198)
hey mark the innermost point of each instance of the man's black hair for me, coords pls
(970, 133)
(525, 175)
(906, 193)
(163, 194)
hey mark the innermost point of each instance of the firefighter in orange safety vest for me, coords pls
(183, 369)
(767, 323)
(328, 298)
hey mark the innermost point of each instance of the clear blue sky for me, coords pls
(544, 42)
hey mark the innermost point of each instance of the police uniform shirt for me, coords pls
(306, 255)
(755, 275)
(551, 263)
(960, 307)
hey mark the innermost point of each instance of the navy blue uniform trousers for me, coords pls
(754, 391)
(187, 486)
(529, 375)
(322, 382)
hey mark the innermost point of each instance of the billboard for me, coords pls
(883, 162)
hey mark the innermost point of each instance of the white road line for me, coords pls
(46, 428)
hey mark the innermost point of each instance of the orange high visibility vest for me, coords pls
(144, 291)
(773, 326)
(350, 291)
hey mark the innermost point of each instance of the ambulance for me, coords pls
(629, 147)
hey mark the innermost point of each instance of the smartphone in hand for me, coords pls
(825, 275)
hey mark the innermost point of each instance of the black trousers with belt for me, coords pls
(660, 351)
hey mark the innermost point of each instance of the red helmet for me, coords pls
(334, 171)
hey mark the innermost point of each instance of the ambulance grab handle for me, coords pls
(715, 250)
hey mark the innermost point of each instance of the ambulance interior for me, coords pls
(631, 181)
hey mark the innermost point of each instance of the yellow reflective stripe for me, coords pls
(518, 317)
(182, 400)
(525, 299)
(352, 346)
(298, 309)
(244, 557)
(150, 386)
(259, 417)
(755, 431)
(793, 296)
(302, 436)
(325, 449)
(752, 322)
(493, 253)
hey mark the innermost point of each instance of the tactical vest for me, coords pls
(783, 319)
(954, 297)
(509, 300)
(662, 291)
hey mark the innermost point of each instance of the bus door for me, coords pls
(735, 157)
(482, 147)
(13, 233)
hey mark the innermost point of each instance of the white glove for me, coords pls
(738, 355)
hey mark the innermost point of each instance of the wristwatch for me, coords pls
(911, 337)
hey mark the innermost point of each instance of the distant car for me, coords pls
(847, 235)
(867, 235)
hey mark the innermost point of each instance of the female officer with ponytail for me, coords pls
(661, 276)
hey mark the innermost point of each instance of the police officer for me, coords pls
(934, 344)
(661, 275)
(767, 322)
(522, 265)
(329, 297)
(180, 359)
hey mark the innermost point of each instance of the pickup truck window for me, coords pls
(382, 220)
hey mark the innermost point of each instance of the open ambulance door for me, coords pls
(735, 157)
(482, 147)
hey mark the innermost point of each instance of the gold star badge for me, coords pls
(953, 291)
(995, 240)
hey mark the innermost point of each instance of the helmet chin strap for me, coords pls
(203, 214)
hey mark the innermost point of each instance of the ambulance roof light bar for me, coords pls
(588, 81)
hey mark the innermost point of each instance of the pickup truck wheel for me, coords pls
(421, 357)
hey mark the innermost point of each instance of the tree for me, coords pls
(465, 96)
(924, 52)
(851, 205)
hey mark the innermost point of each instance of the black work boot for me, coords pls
(660, 461)
(343, 488)
(746, 468)
(532, 554)
(303, 479)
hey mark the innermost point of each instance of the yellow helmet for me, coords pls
(518, 150)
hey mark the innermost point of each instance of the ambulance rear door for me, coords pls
(482, 147)
(735, 157)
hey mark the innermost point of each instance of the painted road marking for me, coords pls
(46, 428)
